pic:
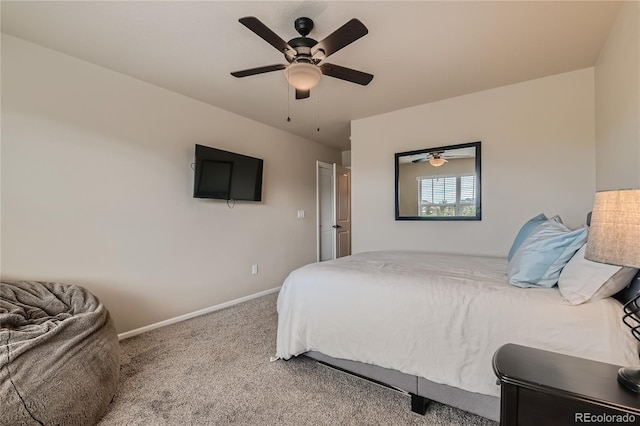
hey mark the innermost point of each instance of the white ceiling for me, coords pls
(419, 51)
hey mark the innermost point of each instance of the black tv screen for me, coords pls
(226, 175)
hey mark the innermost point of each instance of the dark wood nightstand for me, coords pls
(547, 388)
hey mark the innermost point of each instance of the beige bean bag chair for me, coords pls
(59, 355)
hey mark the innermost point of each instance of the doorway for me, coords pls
(333, 193)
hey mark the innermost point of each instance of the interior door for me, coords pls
(342, 181)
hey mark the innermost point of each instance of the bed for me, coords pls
(428, 324)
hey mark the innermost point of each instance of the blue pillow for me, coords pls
(524, 232)
(542, 255)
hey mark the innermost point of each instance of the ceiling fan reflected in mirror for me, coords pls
(305, 55)
(436, 159)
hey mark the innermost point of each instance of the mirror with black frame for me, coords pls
(440, 183)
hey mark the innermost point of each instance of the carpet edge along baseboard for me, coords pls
(194, 314)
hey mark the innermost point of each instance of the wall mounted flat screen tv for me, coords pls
(226, 175)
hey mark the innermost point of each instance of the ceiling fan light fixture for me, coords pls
(437, 161)
(303, 75)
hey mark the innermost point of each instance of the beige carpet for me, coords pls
(215, 370)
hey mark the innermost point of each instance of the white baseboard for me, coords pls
(194, 314)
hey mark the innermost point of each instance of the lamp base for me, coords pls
(630, 378)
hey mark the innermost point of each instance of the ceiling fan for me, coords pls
(305, 55)
(436, 159)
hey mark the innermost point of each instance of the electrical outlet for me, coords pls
(300, 214)
(254, 269)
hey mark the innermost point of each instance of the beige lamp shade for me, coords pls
(614, 234)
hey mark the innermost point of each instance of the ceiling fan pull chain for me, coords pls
(318, 121)
(288, 101)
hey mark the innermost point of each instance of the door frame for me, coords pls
(331, 167)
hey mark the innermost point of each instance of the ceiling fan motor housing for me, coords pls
(302, 46)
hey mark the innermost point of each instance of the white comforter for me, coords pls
(437, 316)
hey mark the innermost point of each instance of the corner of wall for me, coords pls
(617, 90)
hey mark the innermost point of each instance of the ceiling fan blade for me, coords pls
(347, 74)
(302, 94)
(259, 70)
(343, 36)
(255, 25)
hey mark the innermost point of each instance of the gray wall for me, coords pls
(538, 155)
(97, 190)
(617, 82)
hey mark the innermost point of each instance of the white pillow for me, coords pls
(582, 280)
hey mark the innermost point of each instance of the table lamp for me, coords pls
(614, 238)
